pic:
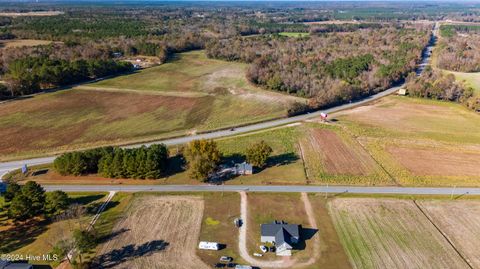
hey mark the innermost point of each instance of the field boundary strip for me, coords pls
(444, 235)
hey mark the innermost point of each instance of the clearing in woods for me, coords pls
(188, 95)
(390, 233)
(155, 232)
(460, 221)
(16, 43)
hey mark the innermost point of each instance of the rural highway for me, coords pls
(262, 188)
(5, 167)
(9, 166)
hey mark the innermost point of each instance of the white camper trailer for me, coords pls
(209, 245)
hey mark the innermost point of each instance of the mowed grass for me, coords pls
(406, 135)
(390, 233)
(470, 79)
(190, 94)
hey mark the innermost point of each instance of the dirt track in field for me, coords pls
(339, 158)
(390, 233)
(460, 221)
(155, 232)
(436, 162)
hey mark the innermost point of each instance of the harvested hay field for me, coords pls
(155, 232)
(17, 43)
(434, 162)
(110, 112)
(413, 118)
(460, 221)
(390, 233)
(331, 155)
(338, 158)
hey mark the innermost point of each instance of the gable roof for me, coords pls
(282, 231)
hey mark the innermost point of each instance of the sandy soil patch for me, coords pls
(460, 221)
(337, 157)
(156, 232)
(437, 162)
(390, 233)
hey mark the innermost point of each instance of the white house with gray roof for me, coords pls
(282, 234)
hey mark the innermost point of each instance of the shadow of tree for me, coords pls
(128, 252)
(112, 235)
(21, 235)
(83, 200)
(175, 165)
(282, 159)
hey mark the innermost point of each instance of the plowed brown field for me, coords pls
(156, 232)
(337, 157)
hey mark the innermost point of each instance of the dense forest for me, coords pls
(459, 48)
(328, 68)
(434, 84)
(333, 63)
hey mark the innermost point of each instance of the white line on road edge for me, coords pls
(71, 253)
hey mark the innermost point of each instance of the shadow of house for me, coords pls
(126, 253)
(305, 235)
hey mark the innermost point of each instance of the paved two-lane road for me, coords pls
(260, 188)
(9, 166)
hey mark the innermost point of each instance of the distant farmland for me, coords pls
(189, 94)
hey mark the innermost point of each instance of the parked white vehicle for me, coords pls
(257, 254)
(264, 249)
(209, 245)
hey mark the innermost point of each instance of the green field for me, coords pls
(294, 34)
(187, 95)
(470, 79)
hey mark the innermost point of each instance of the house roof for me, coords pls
(244, 166)
(282, 231)
(8, 265)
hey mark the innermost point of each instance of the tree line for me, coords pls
(433, 84)
(114, 162)
(30, 200)
(32, 74)
(202, 160)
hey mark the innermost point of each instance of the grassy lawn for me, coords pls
(38, 237)
(217, 226)
(188, 95)
(294, 34)
(470, 79)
